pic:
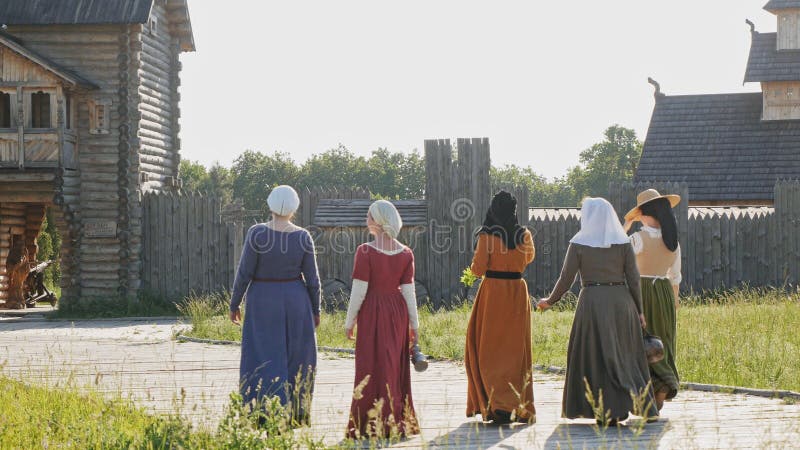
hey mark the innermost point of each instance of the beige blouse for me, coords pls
(650, 245)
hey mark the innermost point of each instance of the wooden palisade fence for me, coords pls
(188, 247)
(722, 247)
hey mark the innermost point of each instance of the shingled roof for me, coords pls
(776, 5)
(353, 212)
(719, 146)
(766, 63)
(95, 12)
(73, 12)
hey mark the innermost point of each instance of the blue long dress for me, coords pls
(278, 271)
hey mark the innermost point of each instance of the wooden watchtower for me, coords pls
(88, 120)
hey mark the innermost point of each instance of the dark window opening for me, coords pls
(5, 110)
(68, 112)
(40, 110)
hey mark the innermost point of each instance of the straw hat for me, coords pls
(648, 196)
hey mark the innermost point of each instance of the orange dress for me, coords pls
(498, 350)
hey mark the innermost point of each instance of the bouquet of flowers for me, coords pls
(468, 278)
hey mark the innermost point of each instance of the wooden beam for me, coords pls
(27, 176)
(20, 129)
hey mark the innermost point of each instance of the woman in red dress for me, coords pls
(383, 305)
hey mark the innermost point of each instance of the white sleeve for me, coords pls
(674, 272)
(410, 295)
(636, 242)
(357, 294)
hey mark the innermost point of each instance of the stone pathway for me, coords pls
(140, 360)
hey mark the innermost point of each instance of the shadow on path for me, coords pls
(477, 434)
(588, 435)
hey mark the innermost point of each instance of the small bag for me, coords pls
(653, 348)
(419, 359)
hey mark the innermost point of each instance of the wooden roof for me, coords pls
(96, 12)
(18, 47)
(74, 12)
(719, 146)
(766, 63)
(353, 212)
(776, 5)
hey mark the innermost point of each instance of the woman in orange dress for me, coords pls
(498, 350)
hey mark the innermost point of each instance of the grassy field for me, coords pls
(741, 338)
(39, 417)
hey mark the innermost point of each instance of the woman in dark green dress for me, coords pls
(658, 257)
(606, 347)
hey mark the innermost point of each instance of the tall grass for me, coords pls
(65, 417)
(145, 305)
(747, 337)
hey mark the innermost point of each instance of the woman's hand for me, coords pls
(236, 317)
(642, 321)
(412, 337)
(316, 321)
(350, 334)
(542, 305)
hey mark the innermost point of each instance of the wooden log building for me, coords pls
(731, 149)
(88, 121)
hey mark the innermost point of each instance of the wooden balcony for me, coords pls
(41, 149)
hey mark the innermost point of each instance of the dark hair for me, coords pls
(661, 210)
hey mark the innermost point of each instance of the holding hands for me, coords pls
(542, 305)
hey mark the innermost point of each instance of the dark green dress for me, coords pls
(606, 347)
(659, 311)
(660, 268)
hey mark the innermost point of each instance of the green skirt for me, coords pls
(659, 311)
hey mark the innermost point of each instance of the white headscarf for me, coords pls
(600, 226)
(385, 214)
(283, 200)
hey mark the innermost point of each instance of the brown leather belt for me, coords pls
(276, 280)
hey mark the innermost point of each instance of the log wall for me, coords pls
(92, 192)
(159, 72)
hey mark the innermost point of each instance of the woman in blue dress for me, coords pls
(278, 272)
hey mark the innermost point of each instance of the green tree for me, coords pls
(49, 244)
(216, 180)
(396, 175)
(542, 192)
(335, 167)
(613, 159)
(254, 174)
(192, 175)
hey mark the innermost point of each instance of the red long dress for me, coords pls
(382, 405)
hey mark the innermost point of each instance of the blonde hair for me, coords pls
(385, 214)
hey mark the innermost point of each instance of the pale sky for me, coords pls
(540, 79)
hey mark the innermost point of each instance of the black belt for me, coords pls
(504, 275)
(613, 283)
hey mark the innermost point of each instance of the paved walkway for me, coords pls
(140, 360)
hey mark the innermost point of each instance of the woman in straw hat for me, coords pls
(606, 349)
(498, 348)
(658, 256)
(278, 272)
(383, 305)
